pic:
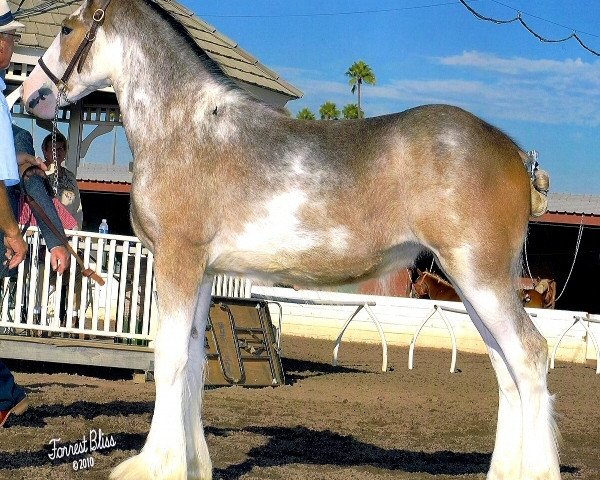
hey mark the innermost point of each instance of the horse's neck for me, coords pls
(151, 106)
(164, 89)
(439, 282)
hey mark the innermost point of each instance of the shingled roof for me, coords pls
(42, 21)
(574, 204)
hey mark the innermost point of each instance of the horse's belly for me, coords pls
(290, 237)
(330, 257)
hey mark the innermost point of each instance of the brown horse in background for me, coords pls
(432, 286)
(540, 293)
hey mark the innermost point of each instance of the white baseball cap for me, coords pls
(7, 20)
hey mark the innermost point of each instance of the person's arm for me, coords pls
(35, 187)
(16, 248)
(75, 208)
(34, 184)
(24, 150)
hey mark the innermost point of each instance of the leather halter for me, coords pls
(81, 53)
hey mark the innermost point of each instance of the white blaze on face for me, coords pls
(280, 229)
(39, 92)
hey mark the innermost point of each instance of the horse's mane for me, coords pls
(437, 278)
(212, 66)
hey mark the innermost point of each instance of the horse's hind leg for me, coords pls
(175, 448)
(525, 446)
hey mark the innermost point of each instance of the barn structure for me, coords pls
(564, 244)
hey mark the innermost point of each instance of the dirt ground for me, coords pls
(349, 422)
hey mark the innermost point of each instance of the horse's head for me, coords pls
(546, 287)
(76, 61)
(531, 298)
(420, 285)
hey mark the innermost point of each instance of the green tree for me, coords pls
(305, 114)
(329, 111)
(351, 111)
(359, 73)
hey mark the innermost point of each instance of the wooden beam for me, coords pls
(76, 353)
(107, 187)
(567, 219)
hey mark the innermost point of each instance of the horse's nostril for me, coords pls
(38, 97)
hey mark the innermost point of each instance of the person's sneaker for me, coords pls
(17, 409)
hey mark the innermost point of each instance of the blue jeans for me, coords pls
(10, 392)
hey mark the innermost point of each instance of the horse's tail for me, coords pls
(540, 183)
(539, 192)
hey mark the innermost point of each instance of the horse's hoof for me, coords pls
(140, 468)
(134, 468)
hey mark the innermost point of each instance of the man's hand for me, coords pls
(16, 248)
(24, 161)
(60, 259)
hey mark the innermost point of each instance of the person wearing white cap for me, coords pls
(9, 174)
(12, 397)
(7, 19)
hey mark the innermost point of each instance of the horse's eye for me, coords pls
(66, 30)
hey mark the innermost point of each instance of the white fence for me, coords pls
(400, 318)
(38, 300)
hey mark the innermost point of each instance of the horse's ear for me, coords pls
(419, 272)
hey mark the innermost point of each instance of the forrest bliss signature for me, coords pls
(95, 440)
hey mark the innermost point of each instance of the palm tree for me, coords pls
(360, 72)
(351, 111)
(329, 111)
(305, 114)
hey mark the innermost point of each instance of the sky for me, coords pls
(546, 96)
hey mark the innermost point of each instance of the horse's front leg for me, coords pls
(199, 464)
(175, 448)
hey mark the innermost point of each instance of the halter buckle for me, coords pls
(98, 15)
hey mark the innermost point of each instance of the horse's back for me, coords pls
(430, 148)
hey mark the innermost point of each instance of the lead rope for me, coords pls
(61, 95)
(574, 258)
(527, 265)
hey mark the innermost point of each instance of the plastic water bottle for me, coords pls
(103, 228)
(103, 258)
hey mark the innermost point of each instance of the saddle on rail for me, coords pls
(240, 344)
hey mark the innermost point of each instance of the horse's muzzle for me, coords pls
(39, 94)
